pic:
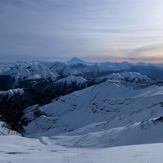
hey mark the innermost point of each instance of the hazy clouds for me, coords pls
(60, 29)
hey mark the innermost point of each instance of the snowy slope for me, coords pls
(62, 69)
(29, 70)
(15, 149)
(11, 92)
(4, 67)
(5, 130)
(72, 78)
(137, 133)
(108, 114)
(127, 76)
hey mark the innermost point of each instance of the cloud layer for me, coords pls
(59, 29)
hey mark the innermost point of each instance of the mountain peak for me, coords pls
(76, 60)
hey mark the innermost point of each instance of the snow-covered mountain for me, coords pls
(108, 114)
(127, 77)
(62, 69)
(76, 61)
(29, 70)
(12, 102)
(60, 105)
(70, 79)
(75, 66)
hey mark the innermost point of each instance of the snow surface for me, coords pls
(16, 149)
(72, 78)
(28, 70)
(106, 115)
(127, 76)
(11, 92)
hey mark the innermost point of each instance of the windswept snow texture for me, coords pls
(106, 115)
(70, 79)
(127, 76)
(15, 149)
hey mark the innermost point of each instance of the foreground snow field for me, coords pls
(16, 149)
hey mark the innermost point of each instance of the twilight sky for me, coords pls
(116, 30)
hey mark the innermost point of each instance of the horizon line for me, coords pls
(104, 59)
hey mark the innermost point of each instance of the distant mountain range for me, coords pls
(75, 66)
(88, 104)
